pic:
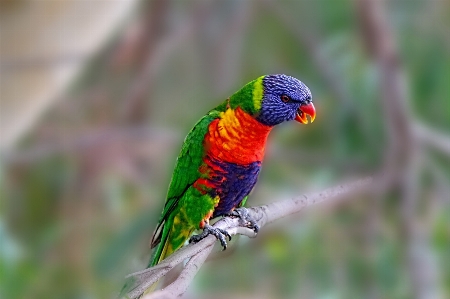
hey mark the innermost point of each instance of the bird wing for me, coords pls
(186, 170)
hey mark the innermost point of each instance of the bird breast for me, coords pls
(236, 137)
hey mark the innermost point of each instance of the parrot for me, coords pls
(220, 161)
(221, 157)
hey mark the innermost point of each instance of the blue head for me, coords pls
(274, 99)
(284, 98)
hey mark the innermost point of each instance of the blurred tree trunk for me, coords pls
(403, 155)
(152, 27)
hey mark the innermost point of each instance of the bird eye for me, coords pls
(285, 98)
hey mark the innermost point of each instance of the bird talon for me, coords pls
(219, 233)
(245, 217)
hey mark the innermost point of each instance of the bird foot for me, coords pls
(220, 235)
(245, 217)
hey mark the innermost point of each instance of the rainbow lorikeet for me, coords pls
(221, 158)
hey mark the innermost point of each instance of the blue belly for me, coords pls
(233, 184)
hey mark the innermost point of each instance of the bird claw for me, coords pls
(247, 220)
(219, 233)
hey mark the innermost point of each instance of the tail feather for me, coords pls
(162, 251)
(173, 235)
(165, 249)
(135, 281)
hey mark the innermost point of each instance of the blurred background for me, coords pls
(97, 96)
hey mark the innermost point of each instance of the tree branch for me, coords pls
(404, 154)
(199, 252)
(64, 143)
(434, 138)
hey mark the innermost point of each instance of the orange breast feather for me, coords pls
(236, 137)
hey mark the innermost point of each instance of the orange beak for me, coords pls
(306, 110)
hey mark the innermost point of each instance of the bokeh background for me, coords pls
(97, 96)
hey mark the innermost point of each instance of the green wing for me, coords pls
(186, 170)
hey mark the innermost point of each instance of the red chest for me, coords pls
(237, 138)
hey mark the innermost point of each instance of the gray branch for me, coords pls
(436, 139)
(197, 253)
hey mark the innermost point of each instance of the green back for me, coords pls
(189, 160)
(184, 175)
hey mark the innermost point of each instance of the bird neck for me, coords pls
(236, 137)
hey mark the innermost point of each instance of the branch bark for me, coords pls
(434, 138)
(65, 143)
(197, 253)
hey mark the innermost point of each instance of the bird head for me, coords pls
(274, 99)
